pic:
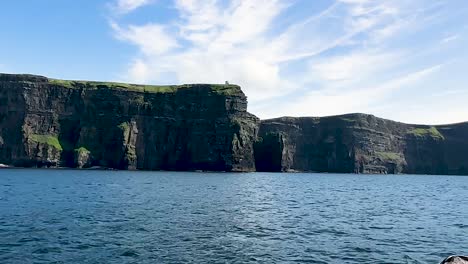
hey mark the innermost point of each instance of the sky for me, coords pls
(405, 60)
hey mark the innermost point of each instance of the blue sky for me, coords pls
(400, 59)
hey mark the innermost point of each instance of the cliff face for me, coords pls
(56, 123)
(359, 143)
(52, 123)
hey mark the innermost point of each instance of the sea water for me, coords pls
(70, 216)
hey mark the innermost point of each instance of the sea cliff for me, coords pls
(360, 143)
(81, 124)
(56, 123)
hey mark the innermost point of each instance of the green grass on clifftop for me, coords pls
(217, 88)
(424, 132)
(47, 139)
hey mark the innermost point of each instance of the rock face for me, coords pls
(55, 123)
(359, 143)
(78, 124)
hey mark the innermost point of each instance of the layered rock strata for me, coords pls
(80, 124)
(55, 123)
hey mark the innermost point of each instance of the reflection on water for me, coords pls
(165, 217)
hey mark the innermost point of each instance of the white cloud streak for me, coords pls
(152, 39)
(338, 101)
(450, 38)
(126, 6)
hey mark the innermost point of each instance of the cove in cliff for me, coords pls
(81, 124)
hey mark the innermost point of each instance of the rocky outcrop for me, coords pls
(359, 143)
(55, 123)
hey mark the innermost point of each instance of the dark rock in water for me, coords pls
(79, 124)
(455, 260)
(56, 123)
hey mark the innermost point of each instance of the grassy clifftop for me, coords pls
(424, 132)
(223, 89)
(226, 89)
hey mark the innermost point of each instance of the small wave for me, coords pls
(29, 239)
(381, 227)
(130, 253)
(46, 250)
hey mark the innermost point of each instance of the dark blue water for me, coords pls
(55, 216)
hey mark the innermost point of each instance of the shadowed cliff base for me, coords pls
(80, 124)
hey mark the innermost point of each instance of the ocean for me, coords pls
(72, 216)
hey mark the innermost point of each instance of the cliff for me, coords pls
(80, 124)
(359, 143)
(55, 123)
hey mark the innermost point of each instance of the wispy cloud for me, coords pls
(450, 38)
(327, 62)
(152, 39)
(223, 45)
(354, 66)
(126, 6)
(340, 101)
